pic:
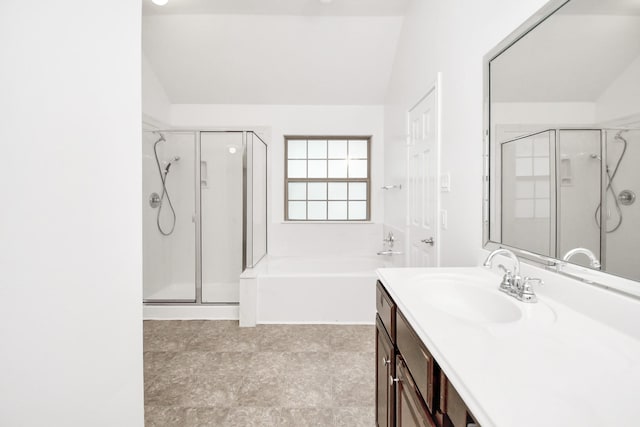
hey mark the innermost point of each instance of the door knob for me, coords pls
(428, 241)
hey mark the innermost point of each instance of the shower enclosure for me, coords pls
(204, 214)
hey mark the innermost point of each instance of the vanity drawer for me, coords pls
(386, 310)
(419, 361)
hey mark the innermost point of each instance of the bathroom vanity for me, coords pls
(471, 346)
(412, 390)
(452, 350)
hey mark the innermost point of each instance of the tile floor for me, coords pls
(213, 373)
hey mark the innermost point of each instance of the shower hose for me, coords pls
(610, 188)
(165, 193)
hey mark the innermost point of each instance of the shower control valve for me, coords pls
(627, 197)
(154, 200)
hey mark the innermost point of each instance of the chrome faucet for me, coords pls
(512, 283)
(593, 261)
(507, 273)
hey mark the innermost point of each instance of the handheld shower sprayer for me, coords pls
(165, 193)
(169, 163)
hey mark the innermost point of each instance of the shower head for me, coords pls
(619, 135)
(170, 162)
(161, 137)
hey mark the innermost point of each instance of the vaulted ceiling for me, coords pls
(568, 58)
(273, 51)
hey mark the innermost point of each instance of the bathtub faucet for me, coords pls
(388, 242)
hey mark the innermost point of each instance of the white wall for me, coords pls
(620, 99)
(155, 103)
(540, 113)
(452, 38)
(303, 239)
(70, 225)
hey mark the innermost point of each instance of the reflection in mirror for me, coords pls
(622, 224)
(563, 126)
(526, 193)
(579, 194)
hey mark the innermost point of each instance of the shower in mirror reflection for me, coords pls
(552, 183)
(617, 243)
(622, 244)
(612, 195)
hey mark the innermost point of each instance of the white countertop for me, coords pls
(552, 367)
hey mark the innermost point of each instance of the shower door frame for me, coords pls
(247, 223)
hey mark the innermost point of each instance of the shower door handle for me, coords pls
(204, 174)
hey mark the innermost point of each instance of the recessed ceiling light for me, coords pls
(325, 1)
(160, 2)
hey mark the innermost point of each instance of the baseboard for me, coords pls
(191, 312)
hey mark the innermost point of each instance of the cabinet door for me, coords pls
(385, 372)
(410, 409)
(451, 404)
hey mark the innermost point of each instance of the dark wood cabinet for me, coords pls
(411, 389)
(453, 408)
(411, 409)
(386, 309)
(385, 374)
(417, 358)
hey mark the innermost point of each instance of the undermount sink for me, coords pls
(467, 299)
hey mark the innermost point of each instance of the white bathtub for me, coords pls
(310, 290)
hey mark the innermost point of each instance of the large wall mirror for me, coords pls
(562, 136)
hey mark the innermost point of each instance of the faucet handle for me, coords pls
(507, 279)
(533, 281)
(526, 293)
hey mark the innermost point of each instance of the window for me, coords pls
(532, 179)
(327, 178)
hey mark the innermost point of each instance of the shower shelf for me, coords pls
(392, 187)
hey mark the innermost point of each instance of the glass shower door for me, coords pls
(169, 251)
(222, 157)
(579, 177)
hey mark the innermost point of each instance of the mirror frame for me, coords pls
(598, 278)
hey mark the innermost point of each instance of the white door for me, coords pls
(423, 172)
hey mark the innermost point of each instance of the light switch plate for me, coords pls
(445, 182)
(443, 219)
